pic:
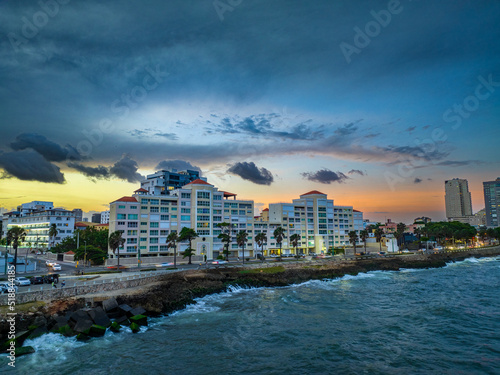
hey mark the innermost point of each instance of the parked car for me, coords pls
(21, 281)
(36, 280)
(219, 262)
(48, 279)
(165, 264)
(5, 286)
(56, 267)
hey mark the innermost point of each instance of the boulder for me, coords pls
(97, 331)
(37, 332)
(124, 308)
(59, 321)
(78, 315)
(83, 325)
(135, 327)
(19, 340)
(137, 311)
(65, 331)
(122, 320)
(24, 350)
(109, 304)
(40, 321)
(82, 337)
(141, 320)
(99, 317)
(115, 327)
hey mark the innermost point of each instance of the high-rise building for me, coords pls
(96, 218)
(458, 200)
(164, 181)
(492, 202)
(105, 217)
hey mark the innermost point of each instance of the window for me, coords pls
(185, 218)
(173, 217)
(144, 201)
(120, 223)
(131, 240)
(203, 203)
(144, 207)
(132, 216)
(185, 210)
(203, 218)
(144, 223)
(186, 195)
(203, 194)
(143, 239)
(153, 248)
(131, 232)
(203, 210)
(122, 207)
(132, 224)
(144, 231)
(164, 217)
(133, 207)
(154, 209)
(121, 216)
(154, 225)
(163, 248)
(154, 201)
(153, 240)
(217, 197)
(153, 232)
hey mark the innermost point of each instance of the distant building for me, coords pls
(37, 217)
(78, 214)
(423, 220)
(96, 218)
(164, 181)
(458, 200)
(105, 217)
(479, 219)
(492, 202)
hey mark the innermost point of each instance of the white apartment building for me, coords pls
(37, 217)
(104, 217)
(147, 219)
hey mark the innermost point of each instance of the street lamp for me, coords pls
(85, 257)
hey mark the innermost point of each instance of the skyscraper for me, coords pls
(492, 202)
(457, 200)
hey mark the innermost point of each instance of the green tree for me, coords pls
(363, 235)
(490, 232)
(294, 240)
(188, 234)
(15, 236)
(399, 233)
(353, 238)
(279, 235)
(95, 254)
(172, 240)
(225, 237)
(53, 232)
(242, 239)
(261, 239)
(379, 233)
(115, 242)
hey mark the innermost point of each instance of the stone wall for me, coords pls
(149, 261)
(96, 286)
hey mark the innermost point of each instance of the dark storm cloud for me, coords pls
(126, 169)
(93, 172)
(325, 176)
(252, 173)
(417, 180)
(176, 164)
(356, 171)
(51, 151)
(30, 166)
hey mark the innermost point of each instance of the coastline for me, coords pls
(177, 290)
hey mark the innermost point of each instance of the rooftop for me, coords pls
(313, 192)
(198, 182)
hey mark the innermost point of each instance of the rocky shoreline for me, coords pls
(88, 316)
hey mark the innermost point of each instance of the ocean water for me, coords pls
(437, 321)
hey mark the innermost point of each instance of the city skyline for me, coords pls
(358, 101)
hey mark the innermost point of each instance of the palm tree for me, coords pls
(15, 236)
(279, 234)
(363, 235)
(116, 241)
(417, 232)
(353, 238)
(261, 239)
(378, 235)
(172, 240)
(53, 232)
(242, 239)
(188, 234)
(294, 239)
(225, 237)
(400, 231)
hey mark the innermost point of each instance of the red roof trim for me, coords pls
(141, 190)
(265, 209)
(314, 192)
(126, 199)
(198, 182)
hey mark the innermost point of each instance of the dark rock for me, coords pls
(78, 315)
(99, 317)
(65, 331)
(135, 327)
(97, 331)
(40, 321)
(124, 308)
(137, 311)
(18, 340)
(109, 304)
(115, 327)
(141, 320)
(82, 337)
(24, 350)
(37, 332)
(60, 321)
(123, 320)
(83, 325)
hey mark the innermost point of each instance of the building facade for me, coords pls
(492, 202)
(164, 181)
(104, 217)
(36, 218)
(458, 200)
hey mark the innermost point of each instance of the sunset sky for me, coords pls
(375, 103)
